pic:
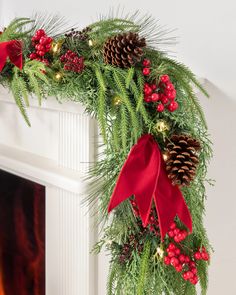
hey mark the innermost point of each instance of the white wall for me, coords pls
(207, 43)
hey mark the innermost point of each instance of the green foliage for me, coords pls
(15, 30)
(144, 265)
(121, 125)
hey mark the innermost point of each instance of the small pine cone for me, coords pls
(123, 50)
(182, 159)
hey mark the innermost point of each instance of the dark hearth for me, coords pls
(22, 236)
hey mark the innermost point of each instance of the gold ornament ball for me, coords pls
(56, 47)
(162, 126)
(116, 101)
(58, 76)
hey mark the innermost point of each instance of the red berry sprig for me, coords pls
(72, 62)
(202, 254)
(177, 258)
(153, 223)
(42, 45)
(164, 94)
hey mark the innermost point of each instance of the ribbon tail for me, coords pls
(15, 53)
(3, 55)
(169, 203)
(138, 177)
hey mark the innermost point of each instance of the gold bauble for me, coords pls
(116, 101)
(162, 126)
(58, 76)
(56, 47)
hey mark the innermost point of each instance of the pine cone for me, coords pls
(182, 159)
(123, 50)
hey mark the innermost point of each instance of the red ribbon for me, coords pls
(12, 50)
(144, 176)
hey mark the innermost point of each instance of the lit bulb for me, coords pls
(56, 47)
(58, 76)
(162, 126)
(90, 43)
(165, 156)
(160, 252)
(116, 101)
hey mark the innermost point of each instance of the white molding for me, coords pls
(56, 152)
(39, 169)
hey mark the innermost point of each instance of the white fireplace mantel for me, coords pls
(56, 151)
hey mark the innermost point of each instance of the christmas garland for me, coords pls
(156, 148)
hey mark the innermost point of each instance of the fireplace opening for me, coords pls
(22, 236)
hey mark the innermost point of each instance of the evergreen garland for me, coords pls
(115, 97)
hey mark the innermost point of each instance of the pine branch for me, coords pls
(143, 269)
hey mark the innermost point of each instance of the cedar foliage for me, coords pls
(121, 125)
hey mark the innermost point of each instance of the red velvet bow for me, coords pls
(144, 176)
(13, 50)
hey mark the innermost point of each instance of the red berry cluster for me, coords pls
(164, 93)
(181, 262)
(177, 234)
(202, 254)
(72, 62)
(42, 45)
(153, 223)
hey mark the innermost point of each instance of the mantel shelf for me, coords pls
(39, 169)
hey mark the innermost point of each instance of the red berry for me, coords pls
(182, 258)
(155, 97)
(194, 271)
(172, 95)
(176, 239)
(147, 90)
(40, 32)
(147, 98)
(194, 280)
(41, 53)
(165, 79)
(173, 225)
(185, 276)
(192, 264)
(187, 259)
(179, 268)
(174, 261)
(33, 56)
(171, 254)
(146, 62)
(164, 100)
(168, 93)
(177, 252)
(146, 71)
(40, 47)
(167, 260)
(205, 256)
(198, 256)
(171, 246)
(45, 61)
(170, 86)
(176, 231)
(171, 234)
(43, 40)
(173, 106)
(153, 86)
(190, 274)
(160, 108)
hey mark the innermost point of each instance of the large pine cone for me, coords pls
(123, 50)
(182, 159)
